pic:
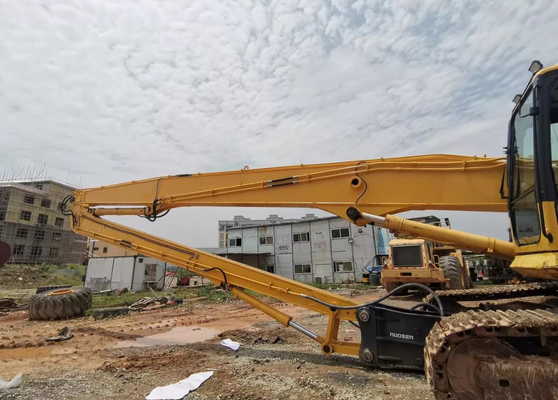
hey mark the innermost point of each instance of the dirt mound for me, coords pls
(274, 335)
(134, 360)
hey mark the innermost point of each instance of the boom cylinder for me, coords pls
(462, 240)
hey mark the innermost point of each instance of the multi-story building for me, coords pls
(32, 224)
(309, 250)
(240, 220)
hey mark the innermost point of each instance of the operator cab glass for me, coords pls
(523, 202)
(553, 112)
(533, 158)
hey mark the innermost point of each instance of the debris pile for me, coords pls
(8, 305)
(148, 302)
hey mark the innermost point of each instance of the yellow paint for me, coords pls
(61, 292)
(407, 183)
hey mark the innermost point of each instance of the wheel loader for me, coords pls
(435, 265)
(475, 350)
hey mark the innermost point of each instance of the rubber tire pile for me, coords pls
(43, 307)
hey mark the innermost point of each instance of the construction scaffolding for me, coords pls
(32, 224)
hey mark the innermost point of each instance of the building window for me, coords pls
(43, 219)
(22, 232)
(59, 222)
(54, 251)
(343, 266)
(301, 237)
(56, 236)
(222, 239)
(303, 269)
(40, 234)
(36, 251)
(2, 215)
(18, 250)
(266, 239)
(340, 233)
(235, 242)
(105, 249)
(39, 186)
(96, 248)
(45, 203)
(29, 199)
(25, 215)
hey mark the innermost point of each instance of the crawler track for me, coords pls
(495, 293)
(529, 339)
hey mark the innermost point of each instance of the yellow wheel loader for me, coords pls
(435, 265)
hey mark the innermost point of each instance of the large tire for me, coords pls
(41, 289)
(452, 271)
(392, 286)
(61, 306)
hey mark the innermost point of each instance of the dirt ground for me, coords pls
(273, 362)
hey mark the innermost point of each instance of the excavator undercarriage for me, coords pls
(494, 355)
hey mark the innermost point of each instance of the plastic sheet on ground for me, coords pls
(11, 384)
(230, 344)
(180, 389)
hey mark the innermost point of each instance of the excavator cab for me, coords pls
(532, 158)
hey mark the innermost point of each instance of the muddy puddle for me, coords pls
(24, 353)
(176, 336)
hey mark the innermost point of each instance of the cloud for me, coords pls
(134, 89)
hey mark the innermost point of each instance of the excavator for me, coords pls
(497, 351)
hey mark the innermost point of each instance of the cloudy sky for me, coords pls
(121, 90)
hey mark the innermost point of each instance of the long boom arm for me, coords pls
(380, 186)
(376, 186)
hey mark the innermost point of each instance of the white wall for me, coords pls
(341, 250)
(321, 249)
(116, 270)
(284, 265)
(235, 233)
(300, 249)
(98, 268)
(267, 231)
(283, 239)
(363, 247)
(250, 240)
(139, 273)
(123, 268)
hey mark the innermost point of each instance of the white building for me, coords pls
(309, 250)
(132, 272)
(240, 220)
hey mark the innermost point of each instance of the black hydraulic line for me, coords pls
(425, 305)
(281, 184)
(283, 179)
(365, 184)
(352, 323)
(224, 275)
(334, 307)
